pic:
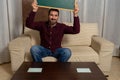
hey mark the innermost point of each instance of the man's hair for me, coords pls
(53, 10)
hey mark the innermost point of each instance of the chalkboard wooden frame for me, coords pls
(58, 4)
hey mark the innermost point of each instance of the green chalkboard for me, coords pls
(59, 4)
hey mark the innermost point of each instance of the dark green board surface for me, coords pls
(60, 4)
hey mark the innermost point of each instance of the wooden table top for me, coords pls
(58, 71)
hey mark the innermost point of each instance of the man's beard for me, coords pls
(53, 21)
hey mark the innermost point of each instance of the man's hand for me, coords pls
(35, 6)
(76, 9)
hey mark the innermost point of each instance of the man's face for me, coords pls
(53, 17)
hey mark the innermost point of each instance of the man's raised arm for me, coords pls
(30, 19)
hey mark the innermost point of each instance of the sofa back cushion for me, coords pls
(87, 30)
(34, 35)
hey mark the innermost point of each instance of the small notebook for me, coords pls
(35, 70)
(83, 70)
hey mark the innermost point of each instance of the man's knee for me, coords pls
(67, 51)
(35, 49)
(65, 55)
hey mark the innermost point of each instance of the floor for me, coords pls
(115, 69)
(6, 73)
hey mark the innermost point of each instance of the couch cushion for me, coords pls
(79, 54)
(83, 54)
(87, 30)
(35, 35)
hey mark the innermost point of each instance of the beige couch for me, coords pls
(86, 46)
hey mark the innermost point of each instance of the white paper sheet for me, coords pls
(35, 70)
(83, 70)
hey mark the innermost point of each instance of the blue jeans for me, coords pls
(38, 52)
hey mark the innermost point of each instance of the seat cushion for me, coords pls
(79, 54)
(83, 54)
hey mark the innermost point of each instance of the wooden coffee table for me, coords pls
(59, 71)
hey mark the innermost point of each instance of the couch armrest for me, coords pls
(100, 44)
(17, 49)
(105, 49)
